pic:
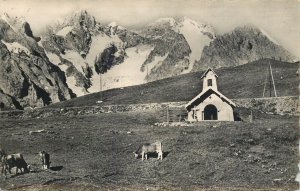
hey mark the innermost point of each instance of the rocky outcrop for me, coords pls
(170, 44)
(243, 45)
(27, 78)
(108, 59)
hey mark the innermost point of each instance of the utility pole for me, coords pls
(270, 81)
(100, 78)
(265, 84)
(273, 81)
(270, 77)
(167, 114)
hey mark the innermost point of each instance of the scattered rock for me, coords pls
(37, 131)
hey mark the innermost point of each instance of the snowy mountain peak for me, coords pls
(163, 21)
(78, 19)
(187, 20)
(14, 22)
(4, 16)
(113, 24)
(203, 27)
(251, 27)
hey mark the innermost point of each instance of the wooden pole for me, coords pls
(273, 81)
(251, 117)
(265, 84)
(270, 81)
(167, 114)
(100, 78)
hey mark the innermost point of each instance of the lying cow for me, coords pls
(15, 160)
(149, 148)
(45, 159)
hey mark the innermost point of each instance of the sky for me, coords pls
(279, 18)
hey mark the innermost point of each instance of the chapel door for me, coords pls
(210, 112)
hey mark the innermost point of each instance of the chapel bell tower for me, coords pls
(209, 79)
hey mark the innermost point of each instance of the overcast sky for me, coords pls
(279, 18)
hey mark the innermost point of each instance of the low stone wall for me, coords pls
(280, 105)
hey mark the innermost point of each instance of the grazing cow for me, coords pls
(45, 158)
(149, 148)
(2, 153)
(2, 160)
(15, 160)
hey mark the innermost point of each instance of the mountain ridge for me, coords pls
(80, 50)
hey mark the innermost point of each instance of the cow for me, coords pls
(2, 160)
(149, 148)
(15, 160)
(45, 159)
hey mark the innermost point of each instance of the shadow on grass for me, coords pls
(56, 168)
(165, 154)
(155, 155)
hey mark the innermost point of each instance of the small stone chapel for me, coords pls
(210, 104)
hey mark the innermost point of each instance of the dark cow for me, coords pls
(2, 160)
(15, 160)
(149, 148)
(45, 159)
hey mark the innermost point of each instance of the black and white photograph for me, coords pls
(149, 95)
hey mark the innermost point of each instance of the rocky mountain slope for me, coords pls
(244, 44)
(79, 55)
(27, 77)
(177, 45)
(86, 48)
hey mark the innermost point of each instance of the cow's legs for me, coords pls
(9, 170)
(146, 156)
(160, 155)
(143, 155)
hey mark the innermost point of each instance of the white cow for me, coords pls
(149, 148)
(45, 159)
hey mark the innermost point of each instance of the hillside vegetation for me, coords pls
(246, 81)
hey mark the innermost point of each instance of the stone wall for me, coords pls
(280, 105)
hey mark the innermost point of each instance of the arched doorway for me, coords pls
(210, 112)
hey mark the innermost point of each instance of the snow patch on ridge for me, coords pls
(156, 62)
(75, 58)
(53, 58)
(71, 81)
(128, 73)
(196, 38)
(99, 43)
(16, 47)
(63, 32)
(171, 21)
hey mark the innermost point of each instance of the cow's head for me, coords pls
(136, 155)
(27, 169)
(41, 153)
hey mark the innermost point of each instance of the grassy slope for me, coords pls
(93, 150)
(246, 81)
